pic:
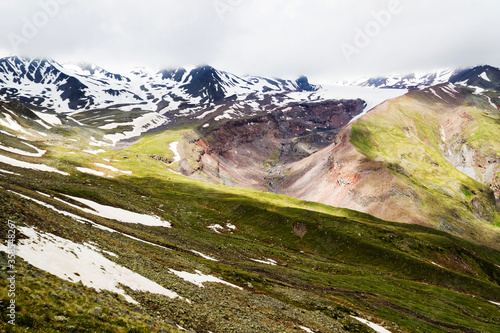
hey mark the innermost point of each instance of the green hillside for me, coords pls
(330, 263)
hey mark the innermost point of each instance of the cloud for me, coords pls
(284, 38)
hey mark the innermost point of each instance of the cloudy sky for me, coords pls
(324, 39)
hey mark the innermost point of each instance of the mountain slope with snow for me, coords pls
(48, 85)
(484, 77)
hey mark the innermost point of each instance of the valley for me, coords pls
(244, 204)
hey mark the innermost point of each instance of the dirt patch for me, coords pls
(300, 229)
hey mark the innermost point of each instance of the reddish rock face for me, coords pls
(301, 120)
(261, 147)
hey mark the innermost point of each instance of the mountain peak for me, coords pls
(304, 85)
(173, 74)
(484, 77)
(205, 82)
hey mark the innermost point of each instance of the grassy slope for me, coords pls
(406, 137)
(346, 263)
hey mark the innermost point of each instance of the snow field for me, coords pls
(173, 147)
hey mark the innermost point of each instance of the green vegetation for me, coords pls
(346, 263)
(158, 143)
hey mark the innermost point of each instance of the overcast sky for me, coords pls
(324, 39)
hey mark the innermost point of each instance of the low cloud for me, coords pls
(284, 38)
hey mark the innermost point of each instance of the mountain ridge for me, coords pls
(86, 86)
(477, 76)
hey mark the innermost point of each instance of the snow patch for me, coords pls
(484, 76)
(432, 262)
(435, 94)
(449, 90)
(375, 327)
(94, 152)
(112, 168)
(91, 171)
(50, 119)
(216, 228)
(7, 133)
(199, 278)
(9, 172)
(206, 113)
(119, 214)
(96, 143)
(204, 255)
(267, 261)
(62, 212)
(139, 126)
(478, 90)
(10, 123)
(32, 166)
(306, 329)
(39, 152)
(82, 219)
(41, 123)
(173, 147)
(491, 102)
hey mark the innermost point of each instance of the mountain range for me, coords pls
(48, 85)
(482, 77)
(199, 200)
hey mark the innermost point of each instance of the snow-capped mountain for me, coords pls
(484, 77)
(48, 85)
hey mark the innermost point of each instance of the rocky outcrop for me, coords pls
(476, 164)
(479, 163)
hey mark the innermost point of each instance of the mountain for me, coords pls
(166, 212)
(47, 85)
(407, 81)
(152, 101)
(483, 77)
(423, 158)
(394, 162)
